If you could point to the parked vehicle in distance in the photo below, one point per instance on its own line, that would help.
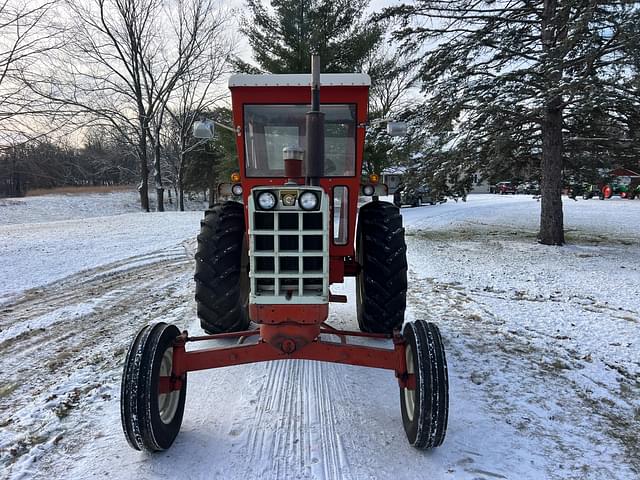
(591, 191)
(577, 189)
(505, 187)
(528, 188)
(630, 190)
(417, 196)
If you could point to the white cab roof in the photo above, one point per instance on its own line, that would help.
(299, 80)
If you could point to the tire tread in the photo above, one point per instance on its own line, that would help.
(218, 270)
(383, 261)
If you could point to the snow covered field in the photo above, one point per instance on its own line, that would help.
(543, 346)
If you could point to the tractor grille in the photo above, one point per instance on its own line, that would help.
(289, 253)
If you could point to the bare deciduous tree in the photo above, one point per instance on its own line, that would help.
(122, 61)
(195, 96)
(27, 33)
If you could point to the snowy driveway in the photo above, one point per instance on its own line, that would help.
(542, 344)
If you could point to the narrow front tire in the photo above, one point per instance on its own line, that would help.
(425, 409)
(150, 419)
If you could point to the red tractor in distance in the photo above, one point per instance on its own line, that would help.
(271, 259)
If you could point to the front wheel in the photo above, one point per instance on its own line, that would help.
(151, 419)
(425, 409)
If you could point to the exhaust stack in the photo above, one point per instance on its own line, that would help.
(315, 128)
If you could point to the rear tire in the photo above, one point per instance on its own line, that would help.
(381, 284)
(425, 410)
(222, 270)
(150, 420)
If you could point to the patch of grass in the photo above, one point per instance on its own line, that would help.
(79, 190)
(577, 237)
(504, 233)
(22, 336)
(64, 408)
(96, 359)
(557, 365)
(5, 422)
(25, 445)
(621, 426)
(57, 362)
(8, 388)
(473, 233)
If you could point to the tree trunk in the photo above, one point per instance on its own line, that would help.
(143, 188)
(553, 33)
(181, 180)
(160, 199)
(158, 172)
(551, 217)
(180, 192)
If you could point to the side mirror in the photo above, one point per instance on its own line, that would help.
(397, 129)
(203, 129)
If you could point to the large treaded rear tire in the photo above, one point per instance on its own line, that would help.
(222, 276)
(381, 284)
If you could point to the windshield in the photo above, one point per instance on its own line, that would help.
(270, 128)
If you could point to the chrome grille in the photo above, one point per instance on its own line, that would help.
(289, 253)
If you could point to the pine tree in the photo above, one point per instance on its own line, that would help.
(283, 41)
(503, 80)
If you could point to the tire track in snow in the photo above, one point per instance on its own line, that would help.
(496, 356)
(93, 281)
(69, 363)
(293, 432)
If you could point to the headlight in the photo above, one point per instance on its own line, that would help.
(368, 190)
(266, 200)
(308, 201)
(237, 189)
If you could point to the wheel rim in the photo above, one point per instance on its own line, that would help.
(168, 402)
(409, 395)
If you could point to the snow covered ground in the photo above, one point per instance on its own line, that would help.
(47, 238)
(543, 348)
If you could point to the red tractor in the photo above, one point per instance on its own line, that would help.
(271, 259)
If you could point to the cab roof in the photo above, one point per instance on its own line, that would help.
(300, 80)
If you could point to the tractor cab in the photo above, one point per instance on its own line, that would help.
(306, 217)
(269, 115)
